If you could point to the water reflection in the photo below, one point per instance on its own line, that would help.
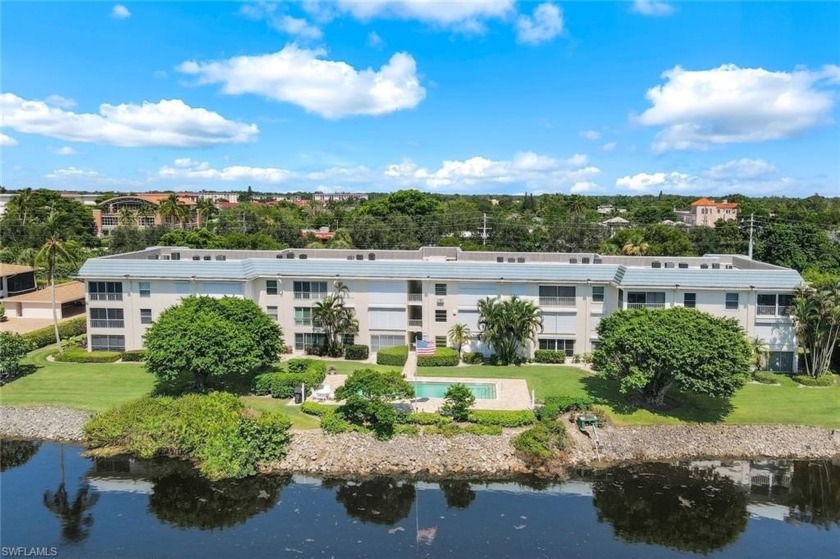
(378, 500)
(814, 494)
(690, 510)
(74, 515)
(458, 494)
(16, 453)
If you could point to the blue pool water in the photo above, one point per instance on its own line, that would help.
(481, 390)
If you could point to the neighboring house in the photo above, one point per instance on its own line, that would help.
(615, 224)
(608, 209)
(324, 197)
(398, 295)
(69, 300)
(320, 234)
(706, 213)
(143, 209)
(16, 279)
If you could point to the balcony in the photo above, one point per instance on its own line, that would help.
(105, 296)
(311, 295)
(772, 310)
(415, 322)
(105, 323)
(645, 305)
(415, 297)
(557, 301)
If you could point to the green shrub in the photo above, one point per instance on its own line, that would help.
(283, 385)
(333, 424)
(457, 402)
(81, 355)
(357, 352)
(549, 356)
(482, 429)
(516, 418)
(298, 365)
(555, 405)
(215, 430)
(452, 429)
(133, 356)
(310, 372)
(473, 357)
(426, 418)
(443, 357)
(380, 417)
(765, 377)
(395, 356)
(407, 430)
(45, 336)
(315, 408)
(542, 441)
(826, 379)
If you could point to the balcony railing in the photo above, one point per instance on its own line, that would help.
(772, 310)
(415, 297)
(106, 323)
(557, 301)
(415, 322)
(311, 295)
(106, 296)
(645, 305)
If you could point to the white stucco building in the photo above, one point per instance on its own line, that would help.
(398, 295)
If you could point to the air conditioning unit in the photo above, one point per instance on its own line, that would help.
(440, 301)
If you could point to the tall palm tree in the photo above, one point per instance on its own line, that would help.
(816, 319)
(459, 336)
(507, 325)
(759, 349)
(171, 210)
(577, 205)
(335, 320)
(74, 516)
(635, 246)
(53, 251)
(126, 217)
(205, 209)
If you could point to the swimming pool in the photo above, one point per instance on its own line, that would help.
(481, 390)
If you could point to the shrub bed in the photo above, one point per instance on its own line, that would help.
(357, 352)
(134, 356)
(826, 379)
(395, 356)
(516, 418)
(45, 336)
(81, 355)
(310, 372)
(549, 356)
(765, 377)
(542, 441)
(473, 357)
(443, 357)
(215, 430)
(452, 429)
(426, 418)
(333, 423)
(316, 408)
(555, 405)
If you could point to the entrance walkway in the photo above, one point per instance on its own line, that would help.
(410, 367)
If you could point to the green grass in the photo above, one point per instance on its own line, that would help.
(299, 419)
(753, 404)
(347, 367)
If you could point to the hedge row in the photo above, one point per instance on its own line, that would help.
(395, 356)
(826, 379)
(356, 352)
(555, 405)
(765, 377)
(81, 355)
(45, 336)
(133, 355)
(443, 357)
(549, 356)
(282, 384)
(451, 429)
(315, 408)
(516, 418)
(426, 418)
(473, 357)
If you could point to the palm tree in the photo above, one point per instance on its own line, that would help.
(816, 319)
(635, 246)
(52, 251)
(74, 516)
(576, 206)
(507, 325)
(171, 210)
(335, 319)
(205, 209)
(126, 217)
(760, 349)
(459, 336)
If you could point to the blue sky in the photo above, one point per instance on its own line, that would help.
(467, 97)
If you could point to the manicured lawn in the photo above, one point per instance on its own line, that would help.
(755, 403)
(267, 404)
(347, 367)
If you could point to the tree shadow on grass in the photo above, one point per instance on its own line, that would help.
(24, 370)
(684, 406)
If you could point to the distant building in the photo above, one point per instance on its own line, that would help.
(324, 197)
(320, 234)
(706, 213)
(141, 210)
(608, 209)
(16, 279)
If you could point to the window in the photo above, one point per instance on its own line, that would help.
(732, 301)
(378, 341)
(690, 300)
(440, 315)
(348, 339)
(643, 299)
(272, 313)
(555, 344)
(271, 287)
(106, 318)
(145, 289)
(440, 289)
(440, 341)
(182, 287)
(310, 289)
(557, 296)
(303, 317)
(107, 343)
(780, 361)
(785, 304)
(145, 316)
(105, 290)
(772, 304)
(597, 293)
(308, 339)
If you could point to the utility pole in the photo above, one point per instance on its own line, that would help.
(752, 222)
(484, 231)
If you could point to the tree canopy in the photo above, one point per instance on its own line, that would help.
(507, 324)
(655, 350)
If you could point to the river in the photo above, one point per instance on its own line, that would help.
(55, 502)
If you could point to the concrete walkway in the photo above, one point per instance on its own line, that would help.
(410, 368)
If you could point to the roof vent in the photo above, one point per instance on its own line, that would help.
(682, 265)
(500, 259)
(349, 257)
(572, 260)
(584, 260)
(197, 257)
(290, 255)
(303, 256)
(360, 257)
(597, 260)
(279, 256)
(207, 257)
(704, 266)
(669, 265)
(656, 264)
(521, 259)
(715, 266)
(371, 256)
(221, 257)
(511, 260)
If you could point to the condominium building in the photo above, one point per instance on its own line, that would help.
(706, 213)
(400, 295)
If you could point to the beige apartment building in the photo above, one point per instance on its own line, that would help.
(400, 295)
(706, 213)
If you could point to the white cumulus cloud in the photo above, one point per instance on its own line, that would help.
(582, 187)
(742, 169)
(167, 123)
(652, 8)
(729, 104)
(119, 11)
(330, 88)
(298, 27)
(7, 141)
(646, 182)
(545, 24)
(609, 146)
(590, 134)
(187, 169)
(65, 150)
(374, 40)
(72, 173)
(463, 16)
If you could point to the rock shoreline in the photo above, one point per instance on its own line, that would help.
(489, 457)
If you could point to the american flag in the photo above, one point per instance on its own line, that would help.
(425, 348)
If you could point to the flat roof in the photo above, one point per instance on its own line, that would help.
(64, 293)
(12, 269)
